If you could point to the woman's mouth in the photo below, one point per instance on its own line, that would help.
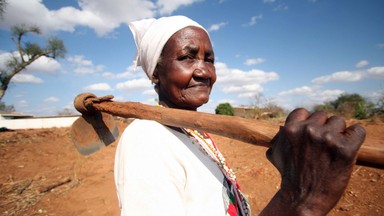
(201, 83)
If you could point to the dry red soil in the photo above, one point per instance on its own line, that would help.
(43, 174)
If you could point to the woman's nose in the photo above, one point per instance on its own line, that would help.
(201, 69)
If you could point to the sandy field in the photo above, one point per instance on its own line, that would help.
(42, 173)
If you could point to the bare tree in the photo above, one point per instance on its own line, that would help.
(3, 5)
(257, 104)
(66, 112)
(28, 52)
(6, 108)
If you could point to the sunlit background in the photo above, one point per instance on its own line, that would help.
(291, 53)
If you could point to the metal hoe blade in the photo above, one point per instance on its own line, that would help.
(92, 132)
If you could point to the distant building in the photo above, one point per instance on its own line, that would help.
(14, 115)
(26, 121)
(245, 112)
(256, 113)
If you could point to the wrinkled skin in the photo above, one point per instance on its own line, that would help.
(186, 73)
(315, 156)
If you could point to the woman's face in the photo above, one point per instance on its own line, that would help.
(185, 74)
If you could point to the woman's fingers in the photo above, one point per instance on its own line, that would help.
(297, 115)
(336, 124)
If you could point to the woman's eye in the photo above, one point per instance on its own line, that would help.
(186, 57)
(210, 60)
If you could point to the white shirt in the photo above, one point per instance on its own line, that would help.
(159, 171)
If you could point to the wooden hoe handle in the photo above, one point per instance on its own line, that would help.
(249, 131)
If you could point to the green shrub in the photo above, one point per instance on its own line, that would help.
(225, 109)
(349, 106)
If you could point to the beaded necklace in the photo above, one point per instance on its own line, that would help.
(209, 148)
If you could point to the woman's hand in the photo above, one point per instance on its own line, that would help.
(315, 156)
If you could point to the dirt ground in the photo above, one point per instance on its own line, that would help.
(43, 174)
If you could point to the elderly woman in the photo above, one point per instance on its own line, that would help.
(161, 170)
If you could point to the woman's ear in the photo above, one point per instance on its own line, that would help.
(155, 80)
(155, 77)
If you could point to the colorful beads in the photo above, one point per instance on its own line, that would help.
(209, 148)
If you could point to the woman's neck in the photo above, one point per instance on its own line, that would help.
(168, 104)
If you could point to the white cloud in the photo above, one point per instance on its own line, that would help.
(151, 101)
(4, 58)
(217, 26)
(376, 95)
(51, 99)
(150, 92)
(362, 63)
(226, 100)
(134, 85)
(79, 60)
(254, 20)
(304, 90)
(281, 7)
(243, 88)
(100, 15)
(235, 76)
(325, 95)
(306, 96)
(98, 87)
(254, 61)
(22, 103)
(313, 93)
(341, 76)
(376, 72)
(129, 73)
(84, 66)
(243, 83)
(44, 64)
(110, 75)
(269, 1)
(118, 98)
(351, 76)
(26, 78)
(89, 70)
(168, 6)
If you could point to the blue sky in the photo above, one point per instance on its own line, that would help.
(293, 53)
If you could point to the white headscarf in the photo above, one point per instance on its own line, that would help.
(152, 34)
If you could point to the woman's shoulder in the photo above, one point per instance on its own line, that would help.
(146, 125)
(146, 129)
(149, 135)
